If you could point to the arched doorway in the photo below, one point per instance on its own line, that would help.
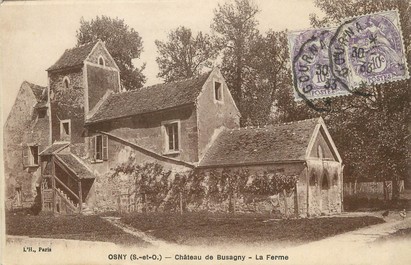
(325, 187)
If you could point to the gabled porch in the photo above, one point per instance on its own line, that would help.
(66, 182)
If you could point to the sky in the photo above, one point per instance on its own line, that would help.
(33, 35)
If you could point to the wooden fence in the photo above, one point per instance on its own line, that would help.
(370, 190)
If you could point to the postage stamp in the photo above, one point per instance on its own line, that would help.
(368, 49)
(361, 51)
(312, 76)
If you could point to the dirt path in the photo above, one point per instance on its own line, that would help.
(132, 231)
(359, 246)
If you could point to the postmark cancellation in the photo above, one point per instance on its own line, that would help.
(364, 50)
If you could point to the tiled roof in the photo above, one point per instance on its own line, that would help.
(149, 99)
(284, 142)
(53, 148)
(74, 165)
(73, 57)
(40, 92)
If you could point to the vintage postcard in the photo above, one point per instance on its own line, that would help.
(205, 132)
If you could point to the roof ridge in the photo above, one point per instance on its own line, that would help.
(85, 44)
(190, 78)
(30, 83)
(267, 126)
(74, 56)
(159, 84)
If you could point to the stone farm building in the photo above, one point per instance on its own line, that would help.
(62, 143)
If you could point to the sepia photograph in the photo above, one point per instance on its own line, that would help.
(205, 132)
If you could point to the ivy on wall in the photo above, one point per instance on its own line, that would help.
(159, 189)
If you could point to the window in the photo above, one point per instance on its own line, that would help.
(41, 112)
(34, 151)
(18, 196)
(98, 148)
(313, 179)
(218, 93)
(320, 153)
(335, 178)
(31, 155)
(172, 134)
(101, 61)
(66, 82)
(65, 129)
(324, 183)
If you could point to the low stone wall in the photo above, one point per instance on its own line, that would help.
(198, 192)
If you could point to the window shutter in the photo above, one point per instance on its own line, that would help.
(105, 147)
(26, 160)
(91, 148)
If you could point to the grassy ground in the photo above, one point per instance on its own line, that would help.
(90, 228)
(210, 229)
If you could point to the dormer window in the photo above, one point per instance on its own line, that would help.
(218, 91)
(101, 61)
(66, 82)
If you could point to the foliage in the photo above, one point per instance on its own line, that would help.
(269, 78)
(371, 132)
(255, 66)
(161, 189)
(184, 55)
(150, 180)
(235, 27)
(272, 184)
(123, 43)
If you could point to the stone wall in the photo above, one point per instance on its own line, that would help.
(114, 194)
(325, 187)
(326, 148)
(23, 127)
(118, 193)
(146, 131)
(212, 114)
(97, 51)
(275, 204)
(67, 103)
(99, 81)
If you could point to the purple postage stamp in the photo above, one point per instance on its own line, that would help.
(363, 50)
(312, 75)
(369, 49)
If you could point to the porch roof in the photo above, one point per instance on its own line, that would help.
(55, 147)
(75, 165)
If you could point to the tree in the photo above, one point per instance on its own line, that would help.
(123, 43)
(269, 93)
(184, 55)
(235, 25)
(371, 132)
